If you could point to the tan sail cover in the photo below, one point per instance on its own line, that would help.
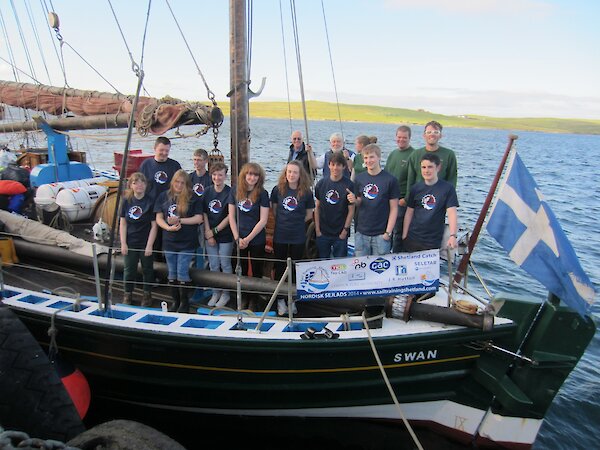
(153, 115)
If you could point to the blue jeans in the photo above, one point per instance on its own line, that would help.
(371, 245)
(219, 256)
(178, 264)
(328, 245)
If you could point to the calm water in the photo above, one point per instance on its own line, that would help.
(565, 167)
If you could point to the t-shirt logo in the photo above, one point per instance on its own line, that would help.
(332, 197)
(290, 203)
(161, 177)
(245, 205)
(135, 212)
(198, 189)
(215, 206)
(172, 210)
(371, 191)
(428, 201)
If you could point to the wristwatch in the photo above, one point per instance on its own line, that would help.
(388, 233)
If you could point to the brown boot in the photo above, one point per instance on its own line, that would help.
(128, 298)
(147, 299)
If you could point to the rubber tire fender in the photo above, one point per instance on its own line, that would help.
(32, 396)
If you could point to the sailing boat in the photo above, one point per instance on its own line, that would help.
(487, 378)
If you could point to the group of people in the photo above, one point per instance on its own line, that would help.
(401, 207)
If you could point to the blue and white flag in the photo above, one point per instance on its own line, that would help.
(523, 223)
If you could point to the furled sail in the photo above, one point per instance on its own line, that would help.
(95, 109)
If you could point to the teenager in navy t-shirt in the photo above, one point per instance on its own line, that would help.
(376, 198)
(219, 239)
(178, 213)
(137, 230)
(333, 213)
(248, 216)
(427, 205)
(293, 204)
(201, 181)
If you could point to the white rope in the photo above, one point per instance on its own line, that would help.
(389, 385)
(287, 83)
(337, 101)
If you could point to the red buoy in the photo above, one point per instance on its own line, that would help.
(75, 383)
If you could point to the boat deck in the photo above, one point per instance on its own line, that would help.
(215, 322)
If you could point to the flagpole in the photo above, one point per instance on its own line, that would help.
(462, 266)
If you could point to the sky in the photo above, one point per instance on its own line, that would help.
(504, 58)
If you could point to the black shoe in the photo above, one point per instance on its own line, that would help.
(175, 294)
(184, 294)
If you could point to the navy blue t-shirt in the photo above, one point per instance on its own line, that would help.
(215, 207)
(376, 192)
(328, 155)
(333, 204)
(139, 214)
(159, 175)
(290, 214)
(187, 236)
(430, 204)
(248, 215)
(200, 183)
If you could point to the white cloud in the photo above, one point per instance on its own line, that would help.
(509, 7)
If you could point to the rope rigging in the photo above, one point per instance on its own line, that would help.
(337, 101)
(287, 84)
(37, 39)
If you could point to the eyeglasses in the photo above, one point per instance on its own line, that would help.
(296, 139)
(434, 132)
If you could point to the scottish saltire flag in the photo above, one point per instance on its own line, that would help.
(523, 223)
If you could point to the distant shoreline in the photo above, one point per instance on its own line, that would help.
(317, 110)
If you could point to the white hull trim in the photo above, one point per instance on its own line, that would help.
(457, 419)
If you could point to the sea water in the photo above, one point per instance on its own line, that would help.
(566, 168)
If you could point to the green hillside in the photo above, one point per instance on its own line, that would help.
(380, 114)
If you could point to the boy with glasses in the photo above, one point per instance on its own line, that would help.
(448, 168)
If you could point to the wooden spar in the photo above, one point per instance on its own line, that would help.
(67, 92)
(240, 129)
(98, 110)
(462, 266)
(72, 123)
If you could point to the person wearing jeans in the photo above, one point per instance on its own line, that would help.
(333, 213)
(376, 198)
(219, 239)
(178, 214)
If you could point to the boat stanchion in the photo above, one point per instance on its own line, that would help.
(271, 301)
(290, 300)
(101, 303)
(240, 325)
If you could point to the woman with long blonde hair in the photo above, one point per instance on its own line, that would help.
(178, 213)
(293, 204)
(248, 216)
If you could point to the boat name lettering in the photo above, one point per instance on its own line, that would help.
(415, 356)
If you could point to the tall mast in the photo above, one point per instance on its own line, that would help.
(238, 48)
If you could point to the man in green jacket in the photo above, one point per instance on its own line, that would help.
(448, 170)
(397, 165)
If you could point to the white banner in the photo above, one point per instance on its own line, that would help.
(369, 276)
